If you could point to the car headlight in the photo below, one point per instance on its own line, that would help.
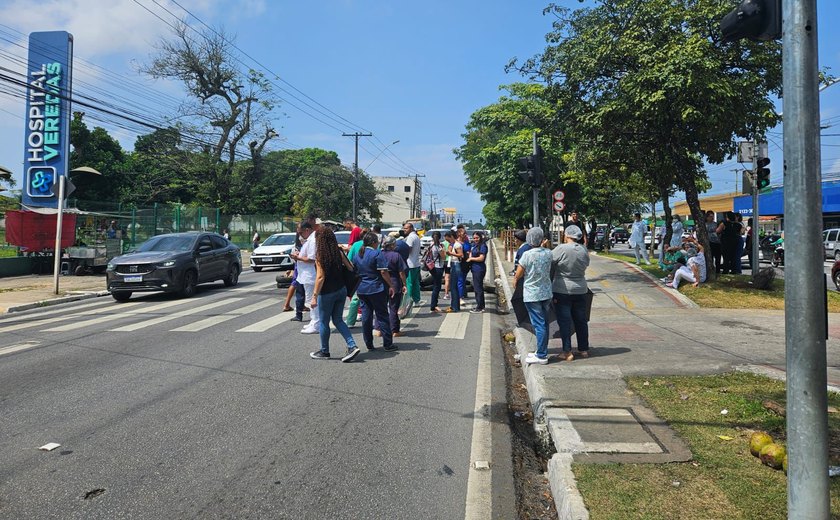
(111, 266)
(168, 263)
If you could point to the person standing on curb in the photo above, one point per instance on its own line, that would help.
(329, 294)
(535, 269)
(255, 240)
(637, 238)
(437, 253)
(574, 220)
(569, 287)
(373, 272)
(396, 270)
(478, 267)
(455, 252)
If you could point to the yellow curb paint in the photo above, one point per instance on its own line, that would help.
(627, 302)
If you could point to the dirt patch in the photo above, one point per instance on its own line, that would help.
(530, 461)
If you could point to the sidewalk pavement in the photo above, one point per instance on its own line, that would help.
(638, 327)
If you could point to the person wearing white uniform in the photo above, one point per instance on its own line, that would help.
(306, 272)
(694, 271)
(637, 238)
(676, 231)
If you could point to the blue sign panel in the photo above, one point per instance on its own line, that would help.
(47, 129)
(773, 202)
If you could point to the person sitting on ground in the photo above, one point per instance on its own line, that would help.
(694, 271)
(669, 260)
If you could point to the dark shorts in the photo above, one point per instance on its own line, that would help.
(446, 269)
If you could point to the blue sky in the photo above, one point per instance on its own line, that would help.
(407, 71)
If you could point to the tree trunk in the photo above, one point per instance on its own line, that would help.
(693, 200)
(666, 210)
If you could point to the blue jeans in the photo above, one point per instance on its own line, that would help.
(331, 307)
(454, 288)
(478, 272)
(376, 304)
(300, 300)
(437, 278)
(571, 308)
(538, 312)
(462, 279)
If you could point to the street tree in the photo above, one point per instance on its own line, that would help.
(98, 150)
(228, 108)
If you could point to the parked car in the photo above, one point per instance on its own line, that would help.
(175, 262)
(648, 237)
(426, 240)
(619, 234)
(831, 243)
(274, 252)
(835, 274)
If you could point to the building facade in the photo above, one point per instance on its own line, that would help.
(400, 199)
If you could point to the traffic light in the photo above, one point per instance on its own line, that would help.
(757, 20)
(762, 173)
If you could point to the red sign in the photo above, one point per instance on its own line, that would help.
(35, 232)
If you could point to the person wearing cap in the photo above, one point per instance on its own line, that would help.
(397, 270)
(534, 270)
(569, 291)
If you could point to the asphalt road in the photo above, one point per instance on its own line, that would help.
(231, 421)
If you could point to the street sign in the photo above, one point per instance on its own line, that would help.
(746, 151)
(559, 205)
(559, 195)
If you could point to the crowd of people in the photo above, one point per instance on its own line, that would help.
(381, 273)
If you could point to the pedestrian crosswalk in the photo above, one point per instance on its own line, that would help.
(254, 313)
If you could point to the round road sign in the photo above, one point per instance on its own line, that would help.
(559, 195)
(559, 205)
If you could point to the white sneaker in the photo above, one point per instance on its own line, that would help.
(532, 358)
(308, 330)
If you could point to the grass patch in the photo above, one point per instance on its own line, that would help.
(732, 291)
(724, 480)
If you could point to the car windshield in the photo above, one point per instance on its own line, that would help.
(279, 240)
(167, 243)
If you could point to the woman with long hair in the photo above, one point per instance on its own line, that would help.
(437, 254)
(374, 290)
(478, 267)
(329, 294)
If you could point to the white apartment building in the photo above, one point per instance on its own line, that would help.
(400, 199)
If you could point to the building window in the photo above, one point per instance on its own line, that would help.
(408, 189)
(390, 188)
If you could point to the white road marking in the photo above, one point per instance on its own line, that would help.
(479, 482)
(264, 325)
(65, 317)
(174, 316)
(19, 347)
(112, 317)
(257, 288)
(215, 320)
(27, 317)
(454, 326)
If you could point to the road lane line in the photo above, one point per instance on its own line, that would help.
(19, 347)
(264, 325)
(21, 317)
(257, 288)
(69, 316)
(479, 481)
(112, 317)
(174, 316)
(454, 326)
(215, 320)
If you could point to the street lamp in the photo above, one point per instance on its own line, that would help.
(62, 188)
(380, 153)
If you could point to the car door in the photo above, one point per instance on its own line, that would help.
(825, 243)
(205, 259)
(831, 242)
(222, 255)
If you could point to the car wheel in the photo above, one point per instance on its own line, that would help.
(233, 276)
(190, 280)
(837, 255)
(257, 269)
(836, 278)
(121, 296)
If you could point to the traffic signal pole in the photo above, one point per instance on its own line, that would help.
(536, 188)
(755, 234)
(807, 422)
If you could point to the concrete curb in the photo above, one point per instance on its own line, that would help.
(500, 278)
(56, 301)
(775, 373)
(567, 499)
(675, 294)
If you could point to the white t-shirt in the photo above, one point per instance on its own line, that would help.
(413, 242)
(700, 261)
(306, 270)
(456, 248)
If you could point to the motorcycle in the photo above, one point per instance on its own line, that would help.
(778, 256)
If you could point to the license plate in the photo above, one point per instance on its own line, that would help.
(133, 279)
(267, 260)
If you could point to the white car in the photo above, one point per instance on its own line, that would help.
(426, 239)
(274, 252)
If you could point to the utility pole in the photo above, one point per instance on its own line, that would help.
(755, 228)
(535, 189)
(805, 318)
(432, 209)
(356, 135)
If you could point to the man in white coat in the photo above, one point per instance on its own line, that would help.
(637, 239)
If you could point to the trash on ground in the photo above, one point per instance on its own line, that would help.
(725, 437)
(49, 447)
(724, 411)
